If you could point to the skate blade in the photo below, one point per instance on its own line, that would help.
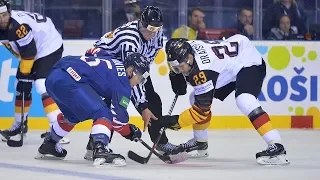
(198, 154)
(273, 161)
(5, 140)
(89, 155)
(40, 156)
(117, 162)
(178, 158)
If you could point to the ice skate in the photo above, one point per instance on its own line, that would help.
(275, 154)
(103, 156)
(168, 149)
(89, 154)
(196, 149)
(14, 130)
(62, 141)
(51, 150)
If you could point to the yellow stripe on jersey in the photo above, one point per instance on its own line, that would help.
(194, 115)
(26, 66)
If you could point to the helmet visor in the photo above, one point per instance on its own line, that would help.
(142, 78)
(177, 67)
(153, 28)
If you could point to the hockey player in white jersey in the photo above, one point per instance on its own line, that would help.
(143, 36)
(215, 69)
(33, 39)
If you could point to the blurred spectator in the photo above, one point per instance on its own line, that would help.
(130, 12)
(244, 25)
(195, 23)
(284, 7)
(284, 31)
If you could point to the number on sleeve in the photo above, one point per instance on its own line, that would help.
(199, 78)
(21, 32)
(91, 61)
(220, 55)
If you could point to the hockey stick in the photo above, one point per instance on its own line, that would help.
(167, 159)
(132, 155)
(13, 143)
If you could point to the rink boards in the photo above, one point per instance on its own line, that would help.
(290, 93)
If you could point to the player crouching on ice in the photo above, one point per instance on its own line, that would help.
(77, 85)
(215, 69)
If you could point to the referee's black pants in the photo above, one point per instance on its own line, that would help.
(155, 106)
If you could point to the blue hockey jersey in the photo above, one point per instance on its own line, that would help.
(106, 75)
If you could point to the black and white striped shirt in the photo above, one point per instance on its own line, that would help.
(127, 39)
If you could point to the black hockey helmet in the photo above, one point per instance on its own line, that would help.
(177, 50)
(5, 6)
(151, 18)
(140, 65)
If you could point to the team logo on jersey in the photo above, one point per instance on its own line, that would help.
(124, 102)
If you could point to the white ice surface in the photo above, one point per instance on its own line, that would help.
(232, 157)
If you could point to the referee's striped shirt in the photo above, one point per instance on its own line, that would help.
(127, 39)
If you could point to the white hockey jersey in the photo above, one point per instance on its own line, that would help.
(226, 58)
(31, 35)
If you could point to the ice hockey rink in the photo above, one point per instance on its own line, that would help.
(232, 157)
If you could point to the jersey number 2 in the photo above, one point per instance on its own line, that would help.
(220, 55)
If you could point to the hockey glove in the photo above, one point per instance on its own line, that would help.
(170, 122)
(178, 83)
(24, 81)
(134, 134)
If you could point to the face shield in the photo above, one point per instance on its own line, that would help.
(184, 67)
(141, 78)
(150, 31)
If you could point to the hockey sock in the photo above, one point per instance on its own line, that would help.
(50, 108)
(250, 106)
(18, 105)
(60, 128)
(264, 127)
(101, 131)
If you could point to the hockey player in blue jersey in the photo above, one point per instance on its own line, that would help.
(78, 84)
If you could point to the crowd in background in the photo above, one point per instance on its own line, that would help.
(281, 19)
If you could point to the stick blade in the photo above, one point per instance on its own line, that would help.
(135, 157)
(178, 158)
(12, 143)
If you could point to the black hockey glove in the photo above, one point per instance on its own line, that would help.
(135, 133)
(178, 83)
(170, 122)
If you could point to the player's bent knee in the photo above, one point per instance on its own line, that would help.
(40, 86)
(104, 113)
(247, 103)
